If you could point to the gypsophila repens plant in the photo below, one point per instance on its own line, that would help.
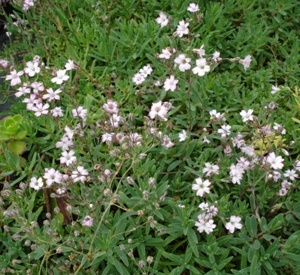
(146, 150)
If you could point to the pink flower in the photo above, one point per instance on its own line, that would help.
(14, 77)
(87, 221)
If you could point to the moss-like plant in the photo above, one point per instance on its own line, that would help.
(12, 134)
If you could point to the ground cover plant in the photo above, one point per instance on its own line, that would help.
(151, 138)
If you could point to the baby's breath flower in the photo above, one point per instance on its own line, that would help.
(182, 29)
(193, 8)
(233, 224)
(162, 20)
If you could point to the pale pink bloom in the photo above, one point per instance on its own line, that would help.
(37, 87)
(35, 183)
(291, 174)
(65, 143)
(247, 115)
(4, 63)
(52, 176)
(204, 225)
(201, 187)
(27, 4)
(200, 51)
(182, 136)
(138, 78)
(216, 56)
(224, 130)
(246, 61)
(52, 95)
(146, 70)
(210, 169)
(234, 223)
(274, 161)
(275, 89)
(40, 109)
(68, 157)
(236, 173)
(22, 91)
(193, 8)
(111, 107)
(107, 138)
(14, 77)
(31, 101)
(60, 77)
(57, 112)
(166, 53)
(158, 110)
(79, 174)
(162, 20)
(87, 221)
(32, 68)
(170, 84)
(166, 142)
(70, 65)
(282, 192)
(114, 120)
(183, 62)
(79, 112)
(135, 139)
(182, 29)
(201, 67)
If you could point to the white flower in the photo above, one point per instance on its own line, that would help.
(200, 51)
(80, 112)
(224, 131)
(183, 62)
(166, 53)
(37, 87)
(146, 70)
(40, 109)
(52, 95)
(68, 157)
(247, 115)
(166, 142)
(35, 183)
(114, 120)
(22, 91)
(233, 224)
(111, 107)
(107, 138)
(162, 20)
(210, 169)
(57, 112)
(51, 176)
(14, 77)
(216, 56)
(246, 62)
(158, 110)
(79, 174)
(138, 78)
(87, 221)
(182, 136)
(291, 174)
(65, 143)
(275, 162)
(204, 225)
(236, 173)
(32, 68)
(182, 29)
(201, 67)
(201, 187)
(60, 77)
(193, 7)
(170, 84)
(70, 65)
(275, 89)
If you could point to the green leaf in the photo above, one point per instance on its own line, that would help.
(17, 147)
(251, 225)
(193, 241)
